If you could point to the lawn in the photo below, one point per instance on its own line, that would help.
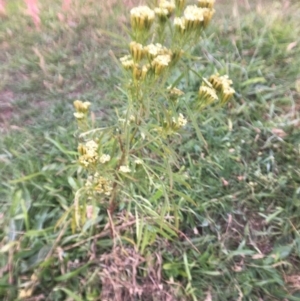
(237, 233)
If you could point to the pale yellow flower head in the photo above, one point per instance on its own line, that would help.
(206, 3)
(141, 18)
(131, 118)
(207, 95)
(104, 158)
(124, 169)
(88, 159)
(89, 155)
(216, 82)
(174, 93)
(227, 93)
(193, 17)
(168, 5)
(145, 70)
(91, 145)
(223, 85)
(81, 106)
(226, 81)
(162, 14)
(179, 24)
(79, 116)
(179, 122)
(220, 82)
(160, 63)
(207, 15)
(138, 161)
(127, 62)
(137, 51)
(154, 50)
(102, 185)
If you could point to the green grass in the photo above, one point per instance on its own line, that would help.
(238, 240)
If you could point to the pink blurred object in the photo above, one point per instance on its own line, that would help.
(33, 11)
(2, 7)
(66, 4)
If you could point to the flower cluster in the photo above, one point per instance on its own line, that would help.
(99, 184)
(157, 59)
(153, 59)
(104, 158)
(179, 122)
(208, 94)
(124, 169)
(194, 19)
(81, 108)
(141, 18)
(206, 3)
(172, 125)
(174, 93)
(164, 10)
(89, 153)
(216, 88)
(222, 84)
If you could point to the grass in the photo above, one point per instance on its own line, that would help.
(238, 240)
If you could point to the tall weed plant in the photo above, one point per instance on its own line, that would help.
(131, 171)
(133, 167)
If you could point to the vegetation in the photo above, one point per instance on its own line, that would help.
(231, 228)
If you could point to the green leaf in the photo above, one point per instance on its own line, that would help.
(72, 274)
(61, 147)
(26, 178)
(253, 81)
(69, 293)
